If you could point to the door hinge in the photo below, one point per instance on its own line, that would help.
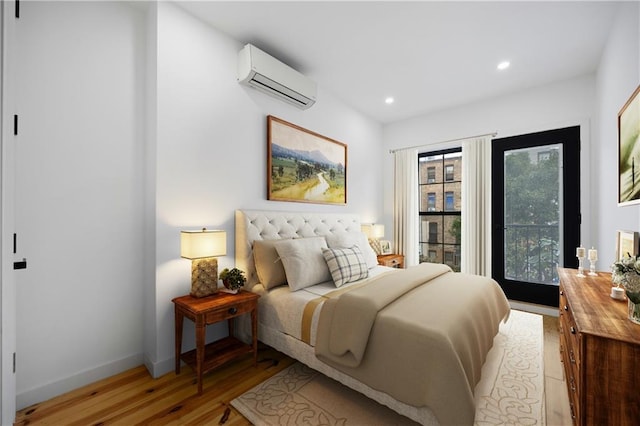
(15, 243)
(14, 362)
(15, 124)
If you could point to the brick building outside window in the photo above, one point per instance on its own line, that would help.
(440, 189)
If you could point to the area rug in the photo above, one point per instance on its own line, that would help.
(511, 390)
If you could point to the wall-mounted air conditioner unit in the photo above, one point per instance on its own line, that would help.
(267, 74)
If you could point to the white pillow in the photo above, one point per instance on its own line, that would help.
(303, 262)
(268, 264)
(350, 239)
(345, 264)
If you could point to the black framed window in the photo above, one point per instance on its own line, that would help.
(440, 188)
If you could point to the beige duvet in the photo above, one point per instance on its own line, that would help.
(421, 335)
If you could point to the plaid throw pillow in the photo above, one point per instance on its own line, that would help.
(345, 264)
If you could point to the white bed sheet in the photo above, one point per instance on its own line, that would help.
(281, 309)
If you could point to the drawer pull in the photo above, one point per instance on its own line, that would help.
(571, 357)
(573, 330)
(233, 310)
(561, 293)
(566, 308)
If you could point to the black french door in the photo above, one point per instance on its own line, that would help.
(535, 212)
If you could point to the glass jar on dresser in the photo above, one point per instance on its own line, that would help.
(600, 351)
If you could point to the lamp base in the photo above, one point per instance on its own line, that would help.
(204, 277)
(376, 246)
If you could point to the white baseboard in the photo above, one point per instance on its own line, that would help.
(533, 308)
(53, 389)
(157, 369)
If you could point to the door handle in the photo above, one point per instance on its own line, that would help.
(20, 265)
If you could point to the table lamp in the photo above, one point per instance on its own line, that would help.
(374, 231)
(202, 247)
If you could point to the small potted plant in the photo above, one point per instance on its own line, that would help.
(233, 279)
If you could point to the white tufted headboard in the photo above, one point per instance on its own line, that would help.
(254, 225)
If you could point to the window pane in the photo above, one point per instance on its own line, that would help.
(425, 197)
(456, 189)
(452, 256)
(532, 212)
(452, 226)
(440, 205)
(430, 169)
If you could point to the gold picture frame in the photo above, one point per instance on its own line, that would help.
(626, 244)
(629, 151)
(304, 166)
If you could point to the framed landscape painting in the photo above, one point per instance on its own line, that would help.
(629, 151)
(304, 166)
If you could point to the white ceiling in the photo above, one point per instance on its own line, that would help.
(427, 55)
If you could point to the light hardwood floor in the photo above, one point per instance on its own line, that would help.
(555, 387)
(133, 397)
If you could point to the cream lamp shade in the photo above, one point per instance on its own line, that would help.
(202, 247)
(203, 243)
(373, 230)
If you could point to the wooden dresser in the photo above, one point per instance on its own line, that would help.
(600, 351)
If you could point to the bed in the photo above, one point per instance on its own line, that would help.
(421, 334)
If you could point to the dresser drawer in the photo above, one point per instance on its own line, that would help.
(570, 354)
(570, 331)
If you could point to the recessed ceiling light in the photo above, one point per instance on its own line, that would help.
(503, 65)
(389, 100)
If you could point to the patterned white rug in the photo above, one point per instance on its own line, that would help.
(510, 392)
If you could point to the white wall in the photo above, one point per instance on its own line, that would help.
(563, 104)
(211, 155)
(617, 78)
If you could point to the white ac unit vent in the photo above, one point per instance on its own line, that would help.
(261, 71)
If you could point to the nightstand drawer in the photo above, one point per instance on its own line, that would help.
(391, 260)
(229, 311)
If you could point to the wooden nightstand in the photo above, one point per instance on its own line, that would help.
(392, 260)
(209, 310)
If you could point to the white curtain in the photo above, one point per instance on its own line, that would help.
(405, 210)
(476, 206)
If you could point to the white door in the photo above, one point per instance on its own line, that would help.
(78, 192)
(7, 190)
